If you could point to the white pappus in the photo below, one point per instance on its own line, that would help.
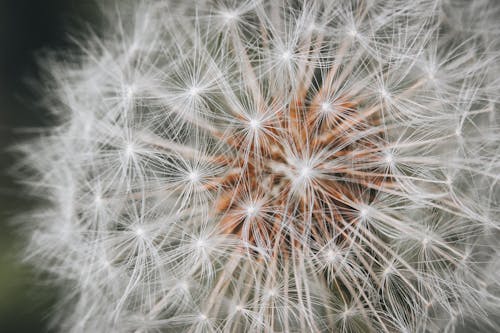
(273, 166)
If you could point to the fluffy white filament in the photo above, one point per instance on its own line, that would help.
(274, 166)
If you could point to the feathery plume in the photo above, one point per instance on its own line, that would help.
(274, 166)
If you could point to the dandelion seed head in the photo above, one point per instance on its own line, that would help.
(331, 255)
(347, 313)
(251, 210)
(425, 241)
(272, 292)
(388, 270)
(255, 124)
(200, 243)
(194, 176)
(140, 232)
(364, 212)
(326, 107)
(229, 15)
(130, 150)
(129, 92)
(286, 56)
(311, 166)
(194, 91)
(389, 158)
(305, 172)
(385, 94)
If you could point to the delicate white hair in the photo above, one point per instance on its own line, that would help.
(273, 166)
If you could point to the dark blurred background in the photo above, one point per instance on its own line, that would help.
(27, 27)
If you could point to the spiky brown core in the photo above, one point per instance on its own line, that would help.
(276, 201)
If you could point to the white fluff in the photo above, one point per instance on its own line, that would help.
(168, 210)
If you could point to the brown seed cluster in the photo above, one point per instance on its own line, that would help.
(302, 176)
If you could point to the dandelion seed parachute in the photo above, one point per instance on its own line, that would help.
(274, 166)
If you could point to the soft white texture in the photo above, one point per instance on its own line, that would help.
(147, 117)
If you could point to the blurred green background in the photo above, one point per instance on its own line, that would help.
(26, 28)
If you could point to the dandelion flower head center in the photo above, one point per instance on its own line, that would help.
(309, 170)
